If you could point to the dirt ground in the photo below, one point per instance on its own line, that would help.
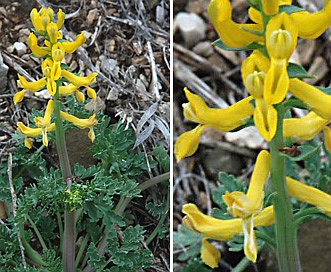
(215, 75)
(128, 44)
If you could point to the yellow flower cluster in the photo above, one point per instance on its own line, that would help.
(265, 75)
(53, 52)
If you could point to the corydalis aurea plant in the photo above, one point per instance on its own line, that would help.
(272, 36)
(59, 82)
(57, 79)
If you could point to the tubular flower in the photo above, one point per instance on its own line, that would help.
(43, 124)
(223, 119)
(327, 137)
(281, 40)
(310, 195)
(217, 229)
(53, 32)
(247, 206)
(305, 128)
(71, 47)
(81, 123)
(317, 100)
(79, 80)
(231, 33)
(268, 7)
(253, 71)
(60, 18)
(27, 86)
(311, 26)
(38, 51)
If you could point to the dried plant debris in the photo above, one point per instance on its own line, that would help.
(128, 44)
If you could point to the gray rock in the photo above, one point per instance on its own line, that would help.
(3, 75)
(20, 48)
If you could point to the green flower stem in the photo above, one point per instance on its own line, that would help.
(160, 223)
(40, 238)
(81, 249)
(121, 208)
(59, 222)
(69, 217)
(286, 231)
(31, 253)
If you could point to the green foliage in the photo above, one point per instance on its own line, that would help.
(297, 71)
(253, 46)
(96, 195)
(187, 242)
(196, 266)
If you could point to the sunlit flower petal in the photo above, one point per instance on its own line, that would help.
(71, 47)
(28, 143)
(316, 100)
(79, 80)
(18, 97)
(223, 230)
(210, 255)
(80, 96)
(91, 93)
(311, 26)
(305, 128)
(36, 21)
(265, 119)
(68, 89)
(52, 31)
(51, 87)
(60, 18)
(37, 50)
(31, 86)
(231, 33)
(250, 243)
(29, 132)
(188, 143)
(225, 119)
(310, 195)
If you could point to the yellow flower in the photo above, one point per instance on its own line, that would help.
(53, 32)
(210, 255)
(38, 51)
(223, 230)
(60, 18)
(305, 128)
(79, 80)
(310, 195)
(265, 119)
(327, 137)
(311, 26)
(71, 47)
(27, 86)
(247, 206)
(317, 101)
(281, 40)
(254, 70)
(43, 124)
(81, 123)
(231, 33)
(223, 119)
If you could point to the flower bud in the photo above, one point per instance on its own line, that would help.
(255, 84)
(52, 31)
(280, 44)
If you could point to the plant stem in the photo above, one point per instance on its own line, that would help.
(160, 223)
(82, 249)
(286, 231)
(120, 208)
(40, 238)
(69, 217)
